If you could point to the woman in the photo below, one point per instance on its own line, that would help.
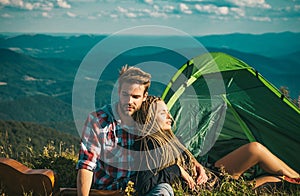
(162, 156)
(167, 159)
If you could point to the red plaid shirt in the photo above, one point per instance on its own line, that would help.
(105, 150)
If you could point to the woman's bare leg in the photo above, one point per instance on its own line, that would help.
(264, 179)
(248, 155)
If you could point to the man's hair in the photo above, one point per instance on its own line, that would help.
(134, 75)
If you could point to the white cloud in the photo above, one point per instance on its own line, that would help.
(14, 3)
(297, 7)
(156, 7)
(168, 8)
(251, 3)
(220, 11)
(158, 14)
(72, 15)
(261, 19)
(4, 2)
(29, 6)
(184, 8)
(18, 4)
(92, 17)
(206, 8)
(238, 11)
(6, 15)
(126, 12)
(46, 5)
(193, 1)
(114, 16)
(63, 4)
(122, 10)
(212, 9)
(155, 12)
(223, 10)
(46, 15)
(159, 11)
(149, 1)
(131, 15)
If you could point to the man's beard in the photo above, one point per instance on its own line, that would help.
(124, 110)
(127, 114)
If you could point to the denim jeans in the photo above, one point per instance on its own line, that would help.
(163, 189)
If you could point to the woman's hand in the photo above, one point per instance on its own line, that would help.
(190, 181)
(201, 175)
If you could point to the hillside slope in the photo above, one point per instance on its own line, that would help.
(41, 109)
(17, 137)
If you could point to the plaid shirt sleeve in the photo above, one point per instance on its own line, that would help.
(90, 147)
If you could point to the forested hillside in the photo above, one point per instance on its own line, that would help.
(19, 138)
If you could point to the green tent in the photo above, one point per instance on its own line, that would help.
(220, 103)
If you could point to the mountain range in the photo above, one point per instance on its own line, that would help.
(37, 71)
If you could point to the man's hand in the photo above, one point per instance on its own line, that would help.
(201, 175)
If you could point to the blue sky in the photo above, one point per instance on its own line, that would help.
(196, 17)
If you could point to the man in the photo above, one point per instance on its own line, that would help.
(107, 131)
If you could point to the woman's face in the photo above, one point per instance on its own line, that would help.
(164, 118)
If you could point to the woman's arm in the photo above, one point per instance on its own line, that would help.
(189, 179)
(199, 170)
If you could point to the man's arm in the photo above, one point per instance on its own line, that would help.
(84, 181)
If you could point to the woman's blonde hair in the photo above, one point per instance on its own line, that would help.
(167, 149)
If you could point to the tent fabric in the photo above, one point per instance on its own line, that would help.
(220, 103)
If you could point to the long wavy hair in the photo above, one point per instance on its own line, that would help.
(165, 149)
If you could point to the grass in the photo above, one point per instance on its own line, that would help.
(226, 185)
(63, 164)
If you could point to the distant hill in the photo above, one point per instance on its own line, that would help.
(21, 64)
(45, 110)
(72, 47)
(293, 57)
(22, 135)
(23, 75)
(268, 44)
(77, 46)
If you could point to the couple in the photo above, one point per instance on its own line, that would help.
(112, 128)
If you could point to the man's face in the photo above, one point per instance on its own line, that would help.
(131, 98)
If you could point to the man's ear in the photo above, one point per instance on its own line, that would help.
(145, 96)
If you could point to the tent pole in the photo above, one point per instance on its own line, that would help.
(240, 121)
